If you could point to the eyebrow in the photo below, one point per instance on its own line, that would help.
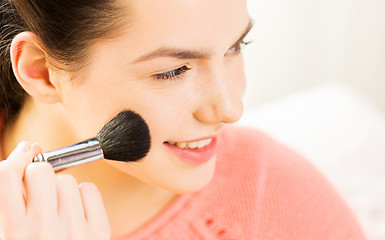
(187, 54)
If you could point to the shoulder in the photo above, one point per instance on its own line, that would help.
(257, 151)
(250, 159)
(293, 200)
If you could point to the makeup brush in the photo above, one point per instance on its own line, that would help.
(124, 138)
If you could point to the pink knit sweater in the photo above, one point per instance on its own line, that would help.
(261, 190)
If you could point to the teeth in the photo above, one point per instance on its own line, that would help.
(204, 143)
(181, 144)
(192, 145)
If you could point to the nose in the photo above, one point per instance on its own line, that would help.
(221, 97)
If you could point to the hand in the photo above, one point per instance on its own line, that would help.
(37, 204)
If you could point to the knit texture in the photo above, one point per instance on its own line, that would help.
(261, 190)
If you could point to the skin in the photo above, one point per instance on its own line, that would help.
(194, 105)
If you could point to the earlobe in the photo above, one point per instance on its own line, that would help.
(29, 63)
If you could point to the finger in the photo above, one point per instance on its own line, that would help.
(94, 210)
(40, 191)
(36, 149)
(12, 204)
(20, 157)
(70, 205)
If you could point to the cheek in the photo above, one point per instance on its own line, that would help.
(86, 111)
(89, 108)
(165, 113)
(238, 76)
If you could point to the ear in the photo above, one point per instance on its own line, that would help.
(29, 63)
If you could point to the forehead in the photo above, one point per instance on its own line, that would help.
(185, 22)
(155, 10)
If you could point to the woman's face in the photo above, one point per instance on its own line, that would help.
(178, 65)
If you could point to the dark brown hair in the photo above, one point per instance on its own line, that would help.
(67, 29)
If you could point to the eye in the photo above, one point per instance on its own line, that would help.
(235, 49)
(172, 75)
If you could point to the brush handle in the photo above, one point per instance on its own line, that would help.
(73, 155)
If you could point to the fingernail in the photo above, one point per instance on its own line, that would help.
(23, 147)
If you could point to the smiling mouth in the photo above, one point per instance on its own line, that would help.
(192, 145)
(194, 152)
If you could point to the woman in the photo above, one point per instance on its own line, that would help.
(69, 66)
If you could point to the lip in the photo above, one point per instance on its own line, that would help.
(196, 156)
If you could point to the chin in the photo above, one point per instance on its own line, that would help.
(193, 181)
(189, 187)
(184, 178)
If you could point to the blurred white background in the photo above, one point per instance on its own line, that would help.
(301, 43)
(316, 82)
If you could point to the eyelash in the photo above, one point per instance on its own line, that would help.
(176, 74)
(237, 48)
(172, 75)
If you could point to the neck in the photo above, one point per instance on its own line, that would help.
(129, 202)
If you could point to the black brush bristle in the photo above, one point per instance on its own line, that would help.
(125, 138)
